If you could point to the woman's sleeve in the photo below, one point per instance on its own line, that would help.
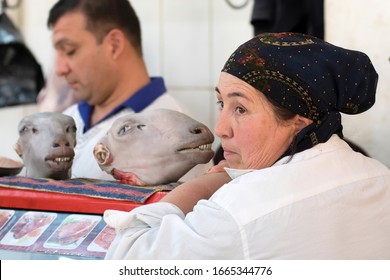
(161, 231)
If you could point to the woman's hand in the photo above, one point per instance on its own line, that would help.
(220, 167)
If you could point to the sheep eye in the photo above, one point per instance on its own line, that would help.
(34, 130)
(71, 129)
(141, 126)
(24, 129)
(124, 129)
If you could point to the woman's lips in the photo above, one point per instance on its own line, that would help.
(227, 153)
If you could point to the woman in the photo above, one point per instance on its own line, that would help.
(295, 189)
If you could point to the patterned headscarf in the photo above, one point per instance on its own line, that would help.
(309, 77)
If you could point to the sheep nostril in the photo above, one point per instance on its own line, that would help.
(61, 143)
(197, 130)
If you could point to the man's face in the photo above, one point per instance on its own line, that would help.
(80, 58)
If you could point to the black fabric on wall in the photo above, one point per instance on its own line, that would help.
(303, 16)
(21, 76)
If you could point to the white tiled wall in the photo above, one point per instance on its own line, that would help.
(187, 42)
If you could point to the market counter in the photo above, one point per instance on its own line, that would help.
(49, 218)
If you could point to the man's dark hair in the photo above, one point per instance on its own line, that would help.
(102, 16)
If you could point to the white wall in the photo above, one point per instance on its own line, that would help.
(365, 26)
(187, 42)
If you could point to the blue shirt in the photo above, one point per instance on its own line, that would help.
(137, 102)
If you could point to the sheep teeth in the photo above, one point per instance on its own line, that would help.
(205, 147)
(62, 159)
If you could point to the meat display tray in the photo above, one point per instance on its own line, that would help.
(50, 223)
(62, 234)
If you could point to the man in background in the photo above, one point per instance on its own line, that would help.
(99, 53)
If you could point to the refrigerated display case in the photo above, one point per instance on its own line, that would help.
(51, 219)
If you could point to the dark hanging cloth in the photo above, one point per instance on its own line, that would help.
(21, 76)
(302, 16)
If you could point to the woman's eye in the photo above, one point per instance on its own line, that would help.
(124, 129)
(141, 126)
(220, 104)
(240, 110)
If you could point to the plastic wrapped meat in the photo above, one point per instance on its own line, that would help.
(72, 230)
(30, 224)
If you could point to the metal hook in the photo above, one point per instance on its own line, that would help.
(4, 5)
(235, 6)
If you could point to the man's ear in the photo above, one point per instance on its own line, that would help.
(300, 123)
(116, 41)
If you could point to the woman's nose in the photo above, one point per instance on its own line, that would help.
(222, 127)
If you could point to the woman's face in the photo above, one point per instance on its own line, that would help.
(251, 135)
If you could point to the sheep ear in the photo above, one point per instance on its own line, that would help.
(18, 149)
